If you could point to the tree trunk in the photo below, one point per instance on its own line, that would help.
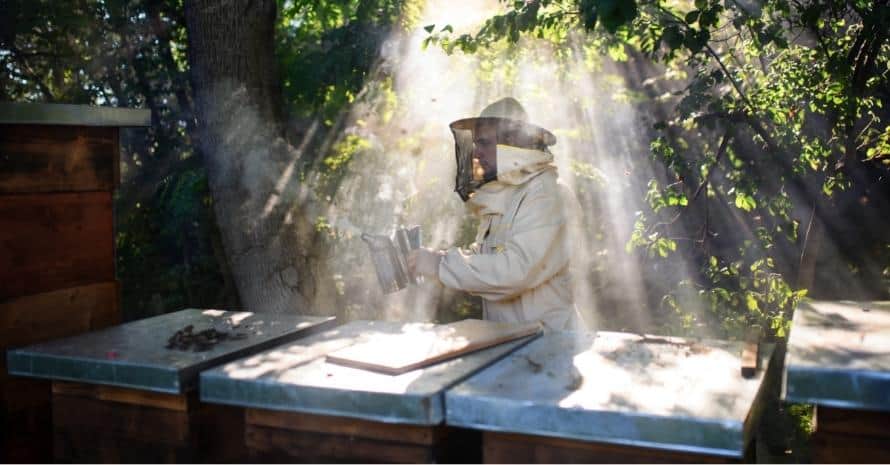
(238, 105)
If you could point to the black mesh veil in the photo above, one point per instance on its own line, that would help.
(464, 183)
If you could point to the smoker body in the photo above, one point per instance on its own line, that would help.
(390, 257)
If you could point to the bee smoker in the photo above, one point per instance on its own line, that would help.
(390, 257)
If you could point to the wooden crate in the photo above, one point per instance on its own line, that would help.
(290, 437)
(59, 166)
(104, 424)
(25, 404)
(850, 436)
(523, 448)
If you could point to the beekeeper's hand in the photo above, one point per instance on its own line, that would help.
(425, 262)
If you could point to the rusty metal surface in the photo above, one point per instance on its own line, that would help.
(839, 355)
(134, 355)
(296, 377)
(76, 115)
(617, 388)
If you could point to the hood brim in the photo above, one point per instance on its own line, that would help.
(469, 124)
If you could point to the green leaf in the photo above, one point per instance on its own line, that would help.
(745, 201)
(429, 28)
(751, 302)
(664, 246)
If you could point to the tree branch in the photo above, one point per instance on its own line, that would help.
(720, 150)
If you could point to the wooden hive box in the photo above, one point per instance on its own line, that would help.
(59, 167)
(124, 395)
(573, 397)
(301, 407)
(838, 358)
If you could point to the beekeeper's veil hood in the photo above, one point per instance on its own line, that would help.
(513, 129)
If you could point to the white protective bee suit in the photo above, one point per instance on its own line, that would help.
(519, 263)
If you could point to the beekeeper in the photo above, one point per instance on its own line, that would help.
(519, 263)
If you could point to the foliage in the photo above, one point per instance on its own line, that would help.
(168, 234)
(782, 111)
(778, 108)
(327, 49)
(130, 54)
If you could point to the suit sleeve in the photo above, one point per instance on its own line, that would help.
(533, 253)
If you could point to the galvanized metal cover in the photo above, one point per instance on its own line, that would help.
(134, 355)
(295, 377)
(839, 355)
(616, 388)
(72, 115)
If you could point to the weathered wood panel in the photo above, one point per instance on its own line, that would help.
(352, 427)
(855, 422)
(94, 423)
(520, 448)
(25, 419)
(26, 436)
(54, 241)
(42, 158)
(850, 436)
(176, 402)
(303, 447)
(277, 436)
(848, 448)
(72, 446)
(23, 393)
(54, 314)
(24, 402)
(153, 424)
(220, 433)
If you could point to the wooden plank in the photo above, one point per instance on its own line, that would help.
(144, 427)
(387, 353)
(25, 418)
(350, 427)
(54, 241)
(305, 447)
(220, 431)
(50, 315)
(116, 175)
(751, 353)
(520, 448)
(853, 422)
(73, 446)
(179, 403)
(26, 448)
(75, 413)
(176, 402)
(32, 414)
(24, 393)
(41, 158)
(26, 426)
(848, 448)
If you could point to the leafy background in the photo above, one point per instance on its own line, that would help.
(764, 125)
